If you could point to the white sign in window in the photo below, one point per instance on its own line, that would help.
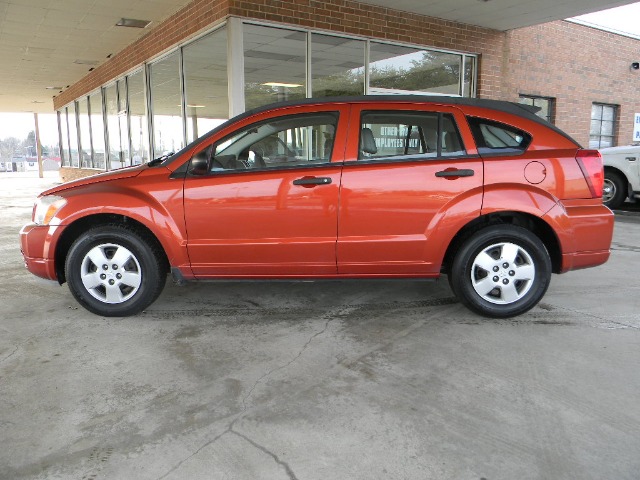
(636, 128)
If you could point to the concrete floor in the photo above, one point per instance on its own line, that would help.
(359, 380)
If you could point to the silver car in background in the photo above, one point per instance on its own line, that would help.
(621, 174)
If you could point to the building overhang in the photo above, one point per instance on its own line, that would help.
(48, 47)
(501, 14)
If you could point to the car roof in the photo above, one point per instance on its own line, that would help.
(525, 111)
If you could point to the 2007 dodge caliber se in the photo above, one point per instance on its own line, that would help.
(368, 187)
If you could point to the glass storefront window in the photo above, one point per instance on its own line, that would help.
(166, 105)
(97, 129)
(278, 63)
(397, 69)
(64, 132)
(112, 106)
(73, 134)
(274, 65)
(139, 133)
(337, 65)
(85, 132)
(205, 82)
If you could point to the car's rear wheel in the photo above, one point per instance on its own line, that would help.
(501, 271)
(614, 191)
(115, 271)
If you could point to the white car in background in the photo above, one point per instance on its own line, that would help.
(621, 174)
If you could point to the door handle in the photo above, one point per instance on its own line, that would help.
(454, 172)
(312, 181)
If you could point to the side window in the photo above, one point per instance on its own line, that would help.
(291, 141)
(386, 135)
(494, 137)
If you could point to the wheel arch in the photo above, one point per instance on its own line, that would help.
(81, 225)
(532, 223)
(618, 171)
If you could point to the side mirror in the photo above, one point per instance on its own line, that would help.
(198, 166)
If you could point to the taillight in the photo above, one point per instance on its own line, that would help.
(590, 162)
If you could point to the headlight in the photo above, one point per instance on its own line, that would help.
(46, 208)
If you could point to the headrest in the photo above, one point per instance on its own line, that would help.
(368, 143)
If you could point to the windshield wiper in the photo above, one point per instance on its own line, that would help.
(159, 160)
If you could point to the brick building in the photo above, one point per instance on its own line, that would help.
(216, 58)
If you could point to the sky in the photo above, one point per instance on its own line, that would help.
(20, 124)
(624, 19)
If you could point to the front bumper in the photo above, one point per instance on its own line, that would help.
(38, 249)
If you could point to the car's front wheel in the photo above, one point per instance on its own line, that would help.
(501, 271)
(115, 271)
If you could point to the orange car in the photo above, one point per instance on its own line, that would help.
(367, 187)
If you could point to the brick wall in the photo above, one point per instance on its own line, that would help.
(577, 65)
(334, 15)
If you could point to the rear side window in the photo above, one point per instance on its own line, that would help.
(495, 138)
(393, 134)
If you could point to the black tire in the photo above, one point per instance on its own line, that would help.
(127, 268)
(615, 189)
(507, 286)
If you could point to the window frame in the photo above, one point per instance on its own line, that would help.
(614, 127)
(551, 117)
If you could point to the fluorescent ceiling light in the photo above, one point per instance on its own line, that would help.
(86, 62)
(132, 22)
(278, 84)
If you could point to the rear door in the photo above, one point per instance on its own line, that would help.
(408, 169)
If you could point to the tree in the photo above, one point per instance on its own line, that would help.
(29, 144)
(431, 72)
(9, 147)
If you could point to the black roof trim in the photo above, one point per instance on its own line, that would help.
(512, 108)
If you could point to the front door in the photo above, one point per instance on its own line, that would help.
(265, 203)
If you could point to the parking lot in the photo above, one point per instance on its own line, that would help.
(319, 380)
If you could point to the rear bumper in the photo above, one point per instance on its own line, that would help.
(585, 233)
(36, 242)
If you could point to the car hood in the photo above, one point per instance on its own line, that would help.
(624, 149)
(101, 177)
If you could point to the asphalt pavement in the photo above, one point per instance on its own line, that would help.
(327, 380)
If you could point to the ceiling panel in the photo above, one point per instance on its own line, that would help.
(41, 39)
